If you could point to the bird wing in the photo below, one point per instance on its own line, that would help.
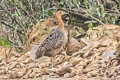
(53, 41)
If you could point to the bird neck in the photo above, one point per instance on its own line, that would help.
(61, 24)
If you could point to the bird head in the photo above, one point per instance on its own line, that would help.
(59, 13)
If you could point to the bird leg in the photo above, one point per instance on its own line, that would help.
(52, 58)
(52, 62)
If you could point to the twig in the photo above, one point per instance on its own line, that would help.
(89, 15)
(69, 11)
(93, 17)
(11, 16)
(20, 38)
(69, 35)
(68, 41)
(66, 10)
(12, 27)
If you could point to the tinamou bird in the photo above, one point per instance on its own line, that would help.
(54, 43)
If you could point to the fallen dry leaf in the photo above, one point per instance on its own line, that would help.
(108, 54)
(73, 46)
(85, 63)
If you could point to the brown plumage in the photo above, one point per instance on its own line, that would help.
(54, 43)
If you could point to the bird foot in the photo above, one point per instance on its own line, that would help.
(65, 53)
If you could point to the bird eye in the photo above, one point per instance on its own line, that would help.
(60, 12)
(55, 23)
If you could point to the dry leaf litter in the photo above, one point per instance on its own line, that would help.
(97, 59)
